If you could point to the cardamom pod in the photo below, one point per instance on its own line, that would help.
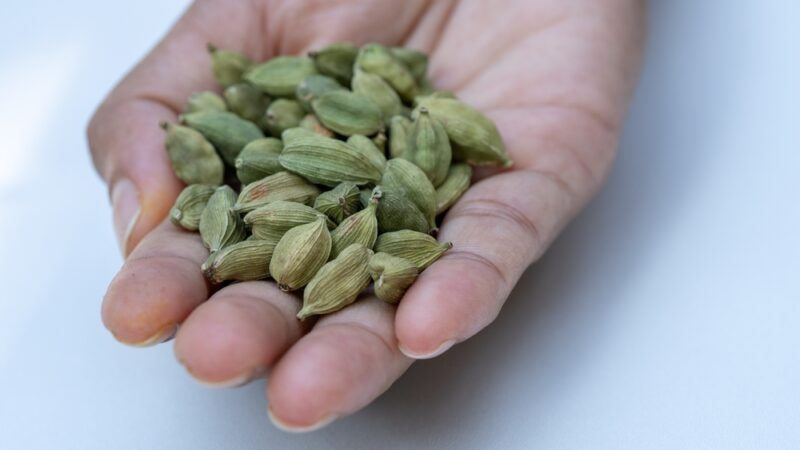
(189, 206)
(348, 113)
(392, 276)
(473, 137)
(193, 158)
(340, 202)
(219, 225)
(399, 132)
(280, 76)
(379, 91)
(419, 248)
(273, 220)
(336, 60)
(228, 66)
(258, 159)
(283, 114)
(414, 60)
(377, 59)
(404, 177)
(359, 228)
(324, 160)
(368, 147)
(380, 141)
(313, 86)
(454, 185)
(243, 261)
(338, 283)
(278, 186)
(247, 101)
(204, 101)
(397, 212)
(429, 147)
(299, 255)
(311, 123)
(228, 132)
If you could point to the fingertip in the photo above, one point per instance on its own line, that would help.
(149, 298)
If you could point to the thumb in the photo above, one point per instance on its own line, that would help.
(128, 149)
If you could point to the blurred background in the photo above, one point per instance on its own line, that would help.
(666, 316)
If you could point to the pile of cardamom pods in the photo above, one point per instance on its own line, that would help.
(326, 171)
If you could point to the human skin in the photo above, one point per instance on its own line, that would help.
(556, 77)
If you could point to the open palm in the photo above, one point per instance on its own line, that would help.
(555, 75)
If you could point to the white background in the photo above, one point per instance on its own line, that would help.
(666, 316)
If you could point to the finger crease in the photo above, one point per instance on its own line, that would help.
(498, 209)
(463, 254)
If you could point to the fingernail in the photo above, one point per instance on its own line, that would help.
(280, 424)
(428, 355)
(236, 381)
(125, 202)
(163, 335)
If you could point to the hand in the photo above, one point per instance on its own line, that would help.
(554, 75)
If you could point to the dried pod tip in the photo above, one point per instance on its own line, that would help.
(423, 110)
(211, 48)
(164, 125)
(176, 214)
(313, 54)
(284, 287)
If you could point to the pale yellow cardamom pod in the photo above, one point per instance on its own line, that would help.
(392, 276)
(419, 248)
(274, 219)
(219, 225)
(279, 186)
(189, 206)
(453, 187)
(244, 261)
(338, 283)
(299, 255)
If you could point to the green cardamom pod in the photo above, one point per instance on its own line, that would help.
(454, 185)
(359, 228)
(392, 276)
(189, 206)
(397, 212)
(336, 60)
(399, 132)
(340, 202)
(299, 255)
(273, 220)
(403, 176)
(247, 101)
(473, 137)
(193, 158)
(278, 186)
(311, 123)
(414, 60)
(219, 225)
(348, 113)
(228, 66)
(280, 76)
(324, 160)
(368, 147)
(377, 59)
(228, 132)
(429, 147)
(313, 86)
(204, 101)
(338, 283)
(258, 159)
(435, 94)
(283, 114)
(243, 261)
(419, 248)
(379, 91)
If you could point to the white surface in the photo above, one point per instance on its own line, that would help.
(665, 317)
